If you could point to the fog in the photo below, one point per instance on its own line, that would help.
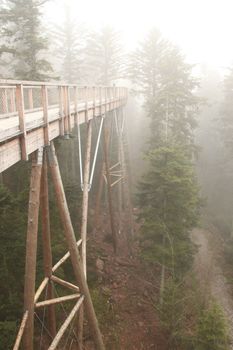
(128, 105)
(202, 29)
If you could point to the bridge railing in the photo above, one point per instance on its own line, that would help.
(34, 113)
(32, 95)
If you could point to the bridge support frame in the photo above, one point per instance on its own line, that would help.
(31, 247)
(73, 249)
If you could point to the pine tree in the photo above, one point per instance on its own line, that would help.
(212, 331)
(158, 72)
(168, 194)
(169, 203)
(227, 110)
(69, 44)
(104, 59)
(22, 42)
(12, 249)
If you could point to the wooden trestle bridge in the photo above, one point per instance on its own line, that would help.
(32, 115)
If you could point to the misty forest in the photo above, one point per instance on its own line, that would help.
(116, 175)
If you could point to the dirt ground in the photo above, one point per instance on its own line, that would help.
(210, 274)
(132, 287)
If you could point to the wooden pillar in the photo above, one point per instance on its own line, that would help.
(73, 249)
(46, 244)
(126, 191)
(120, 185)
(85, 193)
(98, 199)
(84, 224)
(31, 248)
(110, 203)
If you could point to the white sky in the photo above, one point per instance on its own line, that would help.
(203, 29)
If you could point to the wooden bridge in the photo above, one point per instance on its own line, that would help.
(32, 115)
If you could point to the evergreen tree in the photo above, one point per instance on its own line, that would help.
(22, 40)
(104, 59)
(227, 110)
(212, 332)
(169, 201)
(168, 194)
(158, 71)
(69, 48)
(12, 250)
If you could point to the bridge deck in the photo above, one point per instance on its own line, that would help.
(32, 114)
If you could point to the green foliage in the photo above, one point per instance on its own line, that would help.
(12, 250)
(8, 334)
(169, 204)
(212, 332)
(158, 71)
(22, 39)
(171, 313)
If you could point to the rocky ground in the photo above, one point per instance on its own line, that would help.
(130, 287)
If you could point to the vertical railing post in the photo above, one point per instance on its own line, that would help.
(75, 105)
(94, 101)
(61, 111)
(44, 95)
(86, 103)
(31, 248)
(68, 109)
(4, 100)
(65, 111)
(22, 125)
(12, 100)
(30, 98)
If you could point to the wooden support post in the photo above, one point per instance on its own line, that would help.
(84, 222)
(98, 198)
(46, 244)
(110, 203)
(22, 126)
(119, 186)
(21, 330)
(65, 325)
(31, 248)
(126, 191)
(72, 245)
(85, 194)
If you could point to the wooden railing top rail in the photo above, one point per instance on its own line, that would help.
(51, 83)
(34, 113)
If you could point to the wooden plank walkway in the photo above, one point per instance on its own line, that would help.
(34, 113)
